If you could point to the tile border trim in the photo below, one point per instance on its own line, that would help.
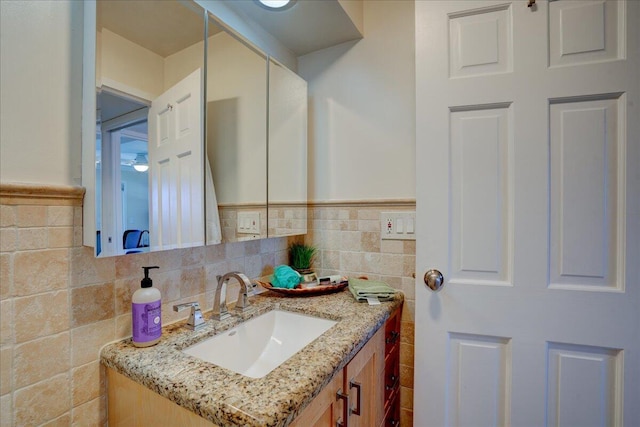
(41, 194)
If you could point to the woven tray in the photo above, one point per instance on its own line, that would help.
(306, 292)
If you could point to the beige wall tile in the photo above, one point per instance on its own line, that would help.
(77, 236)
(409, 311)
(409, 265)
(6, 276)
(60, 215)
(409, 247)
(392, 246)
(63, 420)
(7, 216)
(8, 239)
(406, 398)
(124, 289)
(131, 266)
(90, 414)
(406, 376)
(40, 271)
(351, 241)
(40, 359)
(86, 341)
(369, 225)
(166, 260)
(406, 354)
(87, 382)
(252, 247)
(370, 241)
(369, 214)
(6, 369)
(191, 282)
(61, 237)
(32, 238)
(41, 315)
(77, 216)
(351, 261)
(167, 282)
(6, 409)
(43, 401)
(192, 256)
(407, 332)
(406, 417)
(123, 326)
(234, 250)
(31, 216)
(216, 253)
(330, 260)
(92, 304)
(253, 266)
(6, 322)
(387, 264)
(87, 269)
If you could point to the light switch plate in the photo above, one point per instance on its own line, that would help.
(398, 225)
(248, 222)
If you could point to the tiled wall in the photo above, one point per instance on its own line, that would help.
(59, 305)
(348, 239)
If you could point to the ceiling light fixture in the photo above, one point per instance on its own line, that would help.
(276, 4)
(141, 164)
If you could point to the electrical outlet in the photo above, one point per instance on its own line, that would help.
(398, 225)
(248, 222)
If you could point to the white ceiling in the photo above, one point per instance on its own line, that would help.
(164, 27)
(307, 26)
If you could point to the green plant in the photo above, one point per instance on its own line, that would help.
(301, 256)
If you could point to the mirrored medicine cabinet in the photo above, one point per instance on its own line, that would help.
(191, 135)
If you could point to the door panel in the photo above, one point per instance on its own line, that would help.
(528, 188)
(584, 386)
(586, 31)
(176, 154)
(480, 372)
(480, 144)
(586, 170)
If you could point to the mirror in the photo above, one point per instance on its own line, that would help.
(149, 151)
(287, 152)
(236, 138)
(154, 90)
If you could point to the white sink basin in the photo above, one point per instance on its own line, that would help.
(259, 345)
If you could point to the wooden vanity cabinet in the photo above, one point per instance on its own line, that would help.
(370, 379)
(370, 382)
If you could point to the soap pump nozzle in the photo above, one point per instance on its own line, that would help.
(147, 282)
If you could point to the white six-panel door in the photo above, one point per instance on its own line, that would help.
(177, 166)
(528, 202)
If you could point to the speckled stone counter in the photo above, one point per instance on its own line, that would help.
(230, 399)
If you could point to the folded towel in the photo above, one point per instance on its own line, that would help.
(285, 277)
(361, 289)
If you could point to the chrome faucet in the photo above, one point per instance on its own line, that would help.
(220, 311)
(196, 321)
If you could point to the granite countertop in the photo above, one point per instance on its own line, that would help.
(230, 399)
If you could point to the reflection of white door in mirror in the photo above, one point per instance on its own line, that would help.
(175, 157)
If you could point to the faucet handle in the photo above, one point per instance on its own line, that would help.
(196, 321)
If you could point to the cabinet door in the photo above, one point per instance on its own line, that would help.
(325, 410)
(363, 382)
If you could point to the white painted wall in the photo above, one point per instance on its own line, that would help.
(237, 121)
(362, 110)
(361, 123)
(129, 67)
(41, 91)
